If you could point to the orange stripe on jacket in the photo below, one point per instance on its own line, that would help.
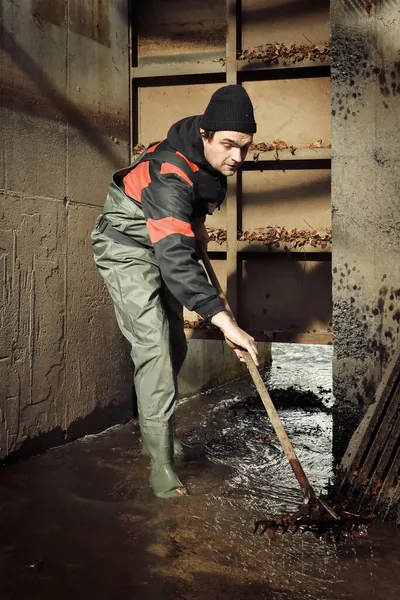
(137, 180)
(161, 228)
(167, 168)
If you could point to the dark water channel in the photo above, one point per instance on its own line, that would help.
(79, 522)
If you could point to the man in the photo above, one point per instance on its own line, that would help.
(145, 248)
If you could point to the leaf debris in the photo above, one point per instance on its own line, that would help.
(278, 145)
(288, 239)
(289, 54)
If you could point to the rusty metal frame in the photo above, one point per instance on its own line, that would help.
(231, 71)
(232, 19)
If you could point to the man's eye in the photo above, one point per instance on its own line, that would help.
(227, 146)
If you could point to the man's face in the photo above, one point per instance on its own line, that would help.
(227, 150)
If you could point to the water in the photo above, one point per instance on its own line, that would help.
(80, 522)
(260, 472)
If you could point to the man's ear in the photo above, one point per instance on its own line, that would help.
(202, 135)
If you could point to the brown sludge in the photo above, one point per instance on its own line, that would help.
(311, 517)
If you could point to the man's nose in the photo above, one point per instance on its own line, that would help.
(236, 155)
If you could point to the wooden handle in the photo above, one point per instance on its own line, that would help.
(263, 392)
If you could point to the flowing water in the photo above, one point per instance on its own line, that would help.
(261, 474)
(79, 522)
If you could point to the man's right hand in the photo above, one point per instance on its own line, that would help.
(235, 337)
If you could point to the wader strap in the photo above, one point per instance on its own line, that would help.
(104, 226)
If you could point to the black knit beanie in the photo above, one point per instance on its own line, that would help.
(230, 109)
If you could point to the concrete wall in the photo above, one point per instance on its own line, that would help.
(64, 370)
(212, 362)
(366, 205)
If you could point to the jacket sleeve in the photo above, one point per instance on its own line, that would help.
(167, 204)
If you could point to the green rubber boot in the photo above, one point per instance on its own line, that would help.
(176, 445)
(163, 479)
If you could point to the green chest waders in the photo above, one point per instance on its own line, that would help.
(151, 319)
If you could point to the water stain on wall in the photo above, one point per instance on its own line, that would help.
(88, 18)
(356, 64)
(368, 332)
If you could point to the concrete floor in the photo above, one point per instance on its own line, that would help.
(79, 522)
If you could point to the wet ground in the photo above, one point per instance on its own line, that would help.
(79, 522)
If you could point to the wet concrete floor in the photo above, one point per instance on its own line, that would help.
(79, 522)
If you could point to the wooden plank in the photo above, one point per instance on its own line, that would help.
(391, 441)
(257, 65)
(380, 438)
(256, 247)
(178, 69)
(389, 492)
(300, 154)
(354, 456)
(393, 504)
(260, 247)
(285, 164)
(202, 333)
(298, 337)
(231, 41)
(232, 245)
(183, 69)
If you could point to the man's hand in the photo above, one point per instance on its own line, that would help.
(201, 234)
(235, 337)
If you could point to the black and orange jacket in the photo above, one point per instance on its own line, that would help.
(171, 203)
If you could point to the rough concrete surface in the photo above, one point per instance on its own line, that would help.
(65, 89)
(212, 362)
(365, 204)
(266, 21)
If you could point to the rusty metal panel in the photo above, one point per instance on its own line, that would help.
(161, 106)
(296, 111)
(286, 295)
(178, 31)
(291, 199)
(270, 21)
